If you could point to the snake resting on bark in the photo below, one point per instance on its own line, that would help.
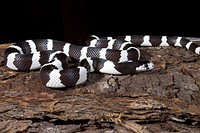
(112, 55)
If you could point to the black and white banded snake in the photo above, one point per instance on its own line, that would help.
(112, 55)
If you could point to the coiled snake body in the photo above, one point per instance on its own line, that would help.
(112, 55)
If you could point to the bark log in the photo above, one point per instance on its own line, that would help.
(166, 99)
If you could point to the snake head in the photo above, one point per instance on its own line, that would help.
(145, 67)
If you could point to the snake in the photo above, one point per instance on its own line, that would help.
(111, 55)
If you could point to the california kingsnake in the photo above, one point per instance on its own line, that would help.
(113, 55)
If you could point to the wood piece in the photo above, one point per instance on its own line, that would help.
(166, 99)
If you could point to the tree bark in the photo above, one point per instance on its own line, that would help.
(166, 99)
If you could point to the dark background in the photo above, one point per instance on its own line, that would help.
(75, 20)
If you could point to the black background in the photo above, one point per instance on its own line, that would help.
(75, 20)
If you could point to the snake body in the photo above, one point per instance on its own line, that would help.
(112, 55)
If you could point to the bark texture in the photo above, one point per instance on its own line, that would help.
(166, 99)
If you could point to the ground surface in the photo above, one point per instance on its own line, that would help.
(166, 99)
